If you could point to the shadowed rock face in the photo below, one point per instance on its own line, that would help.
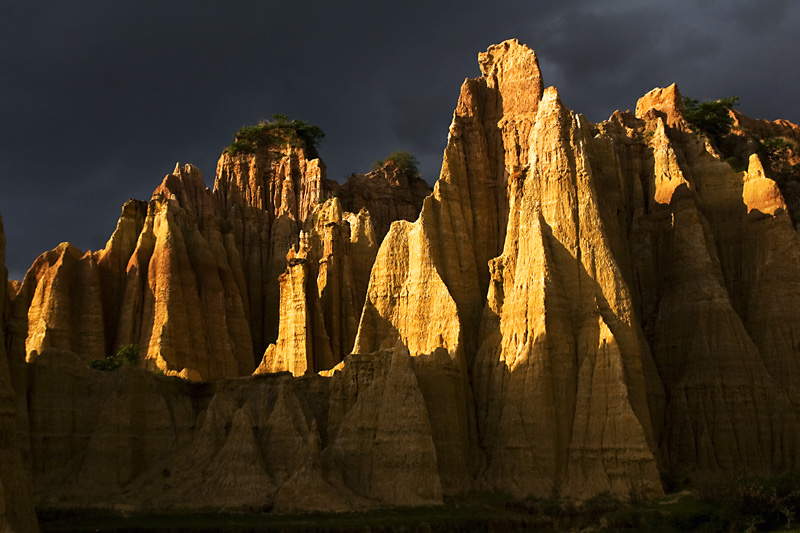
(389, 193)
(577, 308)
(16, 500)
(266, 442)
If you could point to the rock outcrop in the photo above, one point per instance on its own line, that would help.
(389, 193)
(701, 316)
(61, 293)
(181, 300)
(132, 438)
(381, 435)
(264, 197)
(322, 292)
(590, 363)
(16, 499)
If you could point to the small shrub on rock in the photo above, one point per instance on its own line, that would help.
(405, 161)
(127, 354)
(711, 118)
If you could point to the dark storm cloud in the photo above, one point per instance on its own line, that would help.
(99, 99)
(603, 59)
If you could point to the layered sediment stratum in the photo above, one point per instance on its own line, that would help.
(574, 308)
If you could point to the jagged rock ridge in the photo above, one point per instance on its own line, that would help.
(578, 308)
(194, 277)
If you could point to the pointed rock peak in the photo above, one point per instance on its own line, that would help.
(512, 69)
(761, 193)
(510, 60)
(187, 174)
(330, 211)
(286, 409)
(401, 357)
(551, 97)
(64, 249)
(625, 119)
(664, 100)
(187, 187)
(298, 252)
(661, 128)
(551, 107)
(133, 208)
(755, 169)
(242, 423)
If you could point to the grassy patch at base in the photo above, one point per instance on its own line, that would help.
(755, 504)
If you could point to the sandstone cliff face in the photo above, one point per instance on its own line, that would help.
(559, 315)
(578, 308)
(136, 439)
(112, 264)
(717, 380)
(179, 277)
(430, 276)
(16, 501)
(511, 160)
(382, 440)
(61, 293)
(196, 273)
(192, 277)
(321, 291)
(605, 354)
(264, 198)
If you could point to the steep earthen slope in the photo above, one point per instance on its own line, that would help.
(264, 197)
(140, 440)
(511, 178)
(727, 409)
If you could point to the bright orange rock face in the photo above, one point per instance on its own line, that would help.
(575, 306)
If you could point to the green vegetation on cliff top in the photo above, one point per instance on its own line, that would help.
(405, 161)
(276, 132)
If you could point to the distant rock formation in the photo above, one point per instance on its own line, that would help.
(388, 193)
(574, 309)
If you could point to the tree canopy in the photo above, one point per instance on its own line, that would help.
(711, 118)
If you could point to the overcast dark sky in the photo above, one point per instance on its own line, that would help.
(100, 99)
